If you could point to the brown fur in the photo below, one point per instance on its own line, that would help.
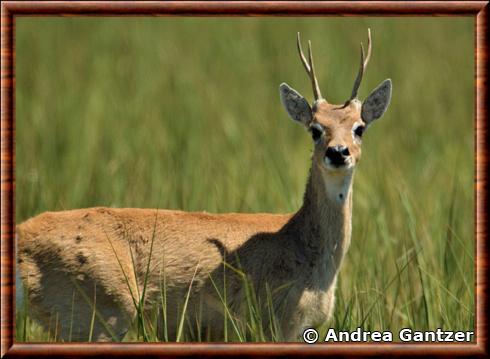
(302, 252)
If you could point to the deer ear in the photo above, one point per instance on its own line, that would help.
(377, 102)
(295, 104)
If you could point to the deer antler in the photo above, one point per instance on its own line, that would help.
(310, 69)
(362, 68)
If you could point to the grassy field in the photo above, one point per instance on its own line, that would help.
(184, 113)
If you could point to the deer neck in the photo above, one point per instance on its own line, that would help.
(326, 216)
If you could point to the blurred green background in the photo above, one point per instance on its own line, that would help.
(184, 113)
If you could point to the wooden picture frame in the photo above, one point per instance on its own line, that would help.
(13, 9)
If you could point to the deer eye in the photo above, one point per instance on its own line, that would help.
(359, 130)
(316, 132)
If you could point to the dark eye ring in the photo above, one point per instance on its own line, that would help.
(316, 133)
(359, 131)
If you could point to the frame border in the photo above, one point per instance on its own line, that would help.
(11, 9)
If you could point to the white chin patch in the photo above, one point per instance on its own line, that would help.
(331, 167)
(337, 180)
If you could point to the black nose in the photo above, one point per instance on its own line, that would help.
(337, 154)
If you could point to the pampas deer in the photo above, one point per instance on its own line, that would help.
(92, 269)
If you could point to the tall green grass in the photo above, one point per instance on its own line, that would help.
(184, 113)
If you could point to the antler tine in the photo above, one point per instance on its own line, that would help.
(314, 81)
(358, 80)
(366, 61)
(302, 56)
(309, 67)
(362, 67)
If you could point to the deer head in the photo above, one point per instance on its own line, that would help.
(337, 130)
